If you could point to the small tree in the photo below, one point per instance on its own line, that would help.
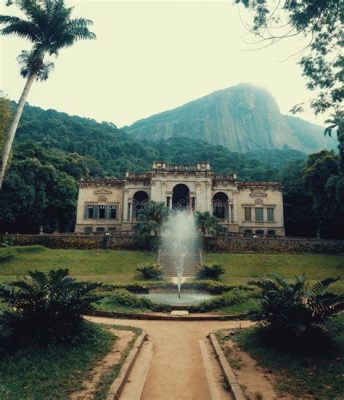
(292, 307)
(207, 223)
(151, 217)
(45, 307)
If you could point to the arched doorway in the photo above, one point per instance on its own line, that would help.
(220, 205)
(180, 197)
(140, 198)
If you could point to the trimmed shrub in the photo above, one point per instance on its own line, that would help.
(149, 271)
(30, 249)
(6, 255)
(234, 297)
(6, 242)
(124, 298)
(213, 271)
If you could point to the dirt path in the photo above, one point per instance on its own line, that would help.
(251, 377)
(90, 385)
(177, 368)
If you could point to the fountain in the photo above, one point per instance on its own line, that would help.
(180, 258)
(180, 247)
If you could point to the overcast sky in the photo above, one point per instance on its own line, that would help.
(153, 56)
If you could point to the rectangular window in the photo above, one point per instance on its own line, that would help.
(112, 214)
(101, 212)
(259, 214)
(271, 216)
(248, 216)
(90, 212)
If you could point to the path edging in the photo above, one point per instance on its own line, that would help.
(159, 317)
(118, 384)
(227, 369)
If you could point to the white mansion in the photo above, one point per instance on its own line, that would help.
(241, 207)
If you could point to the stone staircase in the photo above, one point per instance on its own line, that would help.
(192, 263)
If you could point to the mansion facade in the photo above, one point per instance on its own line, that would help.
(110, 205)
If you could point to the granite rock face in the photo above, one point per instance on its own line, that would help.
(242, 118)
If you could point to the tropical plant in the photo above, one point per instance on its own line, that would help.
(213, 271)
(49, 27)
(149, 271)
(207, 223)
(293, 307)
(151, 217)
(45, 306)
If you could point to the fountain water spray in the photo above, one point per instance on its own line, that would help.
(179, 237)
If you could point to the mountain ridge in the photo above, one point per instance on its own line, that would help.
(241, 118)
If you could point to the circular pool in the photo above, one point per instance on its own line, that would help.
(170, 297)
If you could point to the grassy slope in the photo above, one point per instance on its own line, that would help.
(317, 375)
(53, 372)
(119, 266)
(96, 265)
(242, 267)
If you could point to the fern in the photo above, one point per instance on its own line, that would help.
(292, 306)
(45, 306)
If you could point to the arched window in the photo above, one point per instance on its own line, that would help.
(140, 198)
(180, 197)
(220, 205)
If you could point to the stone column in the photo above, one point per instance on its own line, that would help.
(208, 202)
(125, 206)
(131, 211)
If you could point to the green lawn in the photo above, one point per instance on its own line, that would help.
(51, 372)
(55, 371)
(97, 265)
(119, 266)
(243, 267)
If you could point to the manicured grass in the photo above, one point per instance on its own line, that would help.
(54, 372)
(96, 265)
(243, 267)
(316, 372)
(51, 372)
(120, 266)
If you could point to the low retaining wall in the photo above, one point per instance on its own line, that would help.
(273, 245)
(210, 244)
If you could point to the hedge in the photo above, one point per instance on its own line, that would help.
(234, 245)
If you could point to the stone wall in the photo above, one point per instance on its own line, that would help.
(273, 245)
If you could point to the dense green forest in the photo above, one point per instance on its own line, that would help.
(53, 150)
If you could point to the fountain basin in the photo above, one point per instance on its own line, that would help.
(170, 297)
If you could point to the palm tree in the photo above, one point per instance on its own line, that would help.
(207, 223)
(49, 26)
(151, 217)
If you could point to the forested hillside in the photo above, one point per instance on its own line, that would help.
(108, 151)
(53, 150)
